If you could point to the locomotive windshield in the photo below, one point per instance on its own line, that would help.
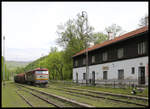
(41, 72)
(41, 75)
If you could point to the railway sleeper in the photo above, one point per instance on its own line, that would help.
(61, 98)
(95, 96)
(24, 99)
(106, 93)
(50, 102)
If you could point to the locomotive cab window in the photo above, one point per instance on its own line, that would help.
(41, 75)
(41, 72)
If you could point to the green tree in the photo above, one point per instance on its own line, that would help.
(74, 33)
(143, 21)
(99, 37)
(73, 36)
(2, 67)
(115, 29)
(54, 63)
(7, 71)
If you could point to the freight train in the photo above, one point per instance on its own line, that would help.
(39, 76)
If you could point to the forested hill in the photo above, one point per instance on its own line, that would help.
(54, 62)
(14, 64)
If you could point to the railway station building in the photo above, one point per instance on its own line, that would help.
(123, 59)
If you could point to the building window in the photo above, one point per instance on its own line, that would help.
(104, 56)
(93, 59)
(120, 52)
(84, 76)
(76, 63)
(84, 60)
(133, 70)
(105, 75)
(120, 74)
(141, 48)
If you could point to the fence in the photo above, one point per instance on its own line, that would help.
(111, 83)
(103, 83)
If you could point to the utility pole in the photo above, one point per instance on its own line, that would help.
(86, 46)
(4, 60)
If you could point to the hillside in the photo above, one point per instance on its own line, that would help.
(14, 64)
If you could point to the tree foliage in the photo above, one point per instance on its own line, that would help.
(55, 65)
(74, 33)
(53, 62)
(143, 21)
(99, 38)
(115, 29)
(73, 37)
(7, 71)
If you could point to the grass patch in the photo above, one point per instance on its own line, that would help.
(10, 97)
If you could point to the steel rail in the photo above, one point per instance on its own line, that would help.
(61, 98)
(24, 99)
(97, 96)
(112, 94)
(50, 102)
(42, 98)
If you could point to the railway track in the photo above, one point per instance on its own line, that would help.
(42, 102)
(55, 100)
(24, 99)
(112, 94)
(108, 93)
(101, 96)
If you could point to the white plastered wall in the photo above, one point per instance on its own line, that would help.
(113, 67)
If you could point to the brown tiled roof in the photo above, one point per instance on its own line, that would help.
(127, 35)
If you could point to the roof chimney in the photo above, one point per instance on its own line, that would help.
(110, 35)
(91, 44)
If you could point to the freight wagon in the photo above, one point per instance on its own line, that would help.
(20, 78)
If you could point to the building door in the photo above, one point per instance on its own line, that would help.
(141, 75)
(120, 77)
(76, 77)
(93, 77)
(120, 74)
(104, 75)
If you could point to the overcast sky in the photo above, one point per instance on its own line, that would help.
(30, 27)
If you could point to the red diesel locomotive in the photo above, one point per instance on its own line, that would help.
(38, 76)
